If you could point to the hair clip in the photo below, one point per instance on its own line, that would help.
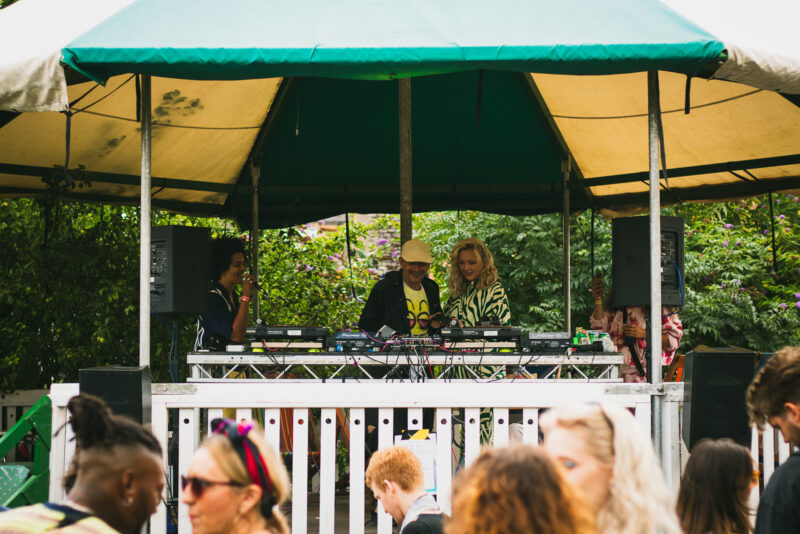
(246, 449)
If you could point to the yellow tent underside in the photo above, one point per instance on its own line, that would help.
(203, 133)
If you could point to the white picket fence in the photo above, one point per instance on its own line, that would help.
(768, 440)
(194, 403)
(203, 401)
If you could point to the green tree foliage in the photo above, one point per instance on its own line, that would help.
(528, 255)
(70, 299)
(308, 279)
(734, 296)
(71, 296)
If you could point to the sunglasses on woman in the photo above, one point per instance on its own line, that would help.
(199, 485)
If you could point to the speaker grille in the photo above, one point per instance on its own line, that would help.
(715, 382)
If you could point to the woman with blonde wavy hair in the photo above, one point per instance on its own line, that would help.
(476, 295)
(516, 490)
(475, 292)
(235, 483)
(601, 452)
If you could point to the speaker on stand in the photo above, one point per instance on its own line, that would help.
(630, 261)
(630, 265)
(179, 276)
(715, 383)
(126, 390)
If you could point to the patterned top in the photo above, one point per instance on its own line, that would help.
(475, 303)
(468, 308)
(613, 324)
(48, 517)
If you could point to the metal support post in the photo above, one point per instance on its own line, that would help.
(255, 174)
(404, 107)
(653, 111)
(566, 168)
(144, 232)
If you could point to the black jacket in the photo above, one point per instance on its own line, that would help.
(386, 304)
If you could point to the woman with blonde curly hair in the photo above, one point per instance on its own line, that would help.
(476, 295)
(601, 452)
(475, 292)
(516, 490)
(235, 483)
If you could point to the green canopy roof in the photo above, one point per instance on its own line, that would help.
(385, 39)
(324, 131)
(480, 141)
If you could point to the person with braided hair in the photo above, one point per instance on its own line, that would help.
(116, 478)
(235, 483)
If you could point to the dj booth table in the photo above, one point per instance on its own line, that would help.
(391, 366)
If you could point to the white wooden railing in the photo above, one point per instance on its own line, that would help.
(200, 402)
(196, 402)
(768, 441)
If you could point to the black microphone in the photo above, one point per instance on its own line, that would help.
(260, 289)
(254, 283)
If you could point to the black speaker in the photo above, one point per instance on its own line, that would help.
(126, 390)
(715, 382)
(630, 261)
(179, 272)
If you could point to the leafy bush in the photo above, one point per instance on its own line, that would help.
(734, 296)
(307, 278)
(71, 296)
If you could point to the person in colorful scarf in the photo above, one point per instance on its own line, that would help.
(635, 330)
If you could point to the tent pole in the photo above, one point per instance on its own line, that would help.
(255, 175)
(404, 108)
(144, 232)
(653, 111)
(566, 167)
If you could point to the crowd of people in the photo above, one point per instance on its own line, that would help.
(408, 302)
(595, 472)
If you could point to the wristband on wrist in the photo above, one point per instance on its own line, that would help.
(598, 301)
(244, 298)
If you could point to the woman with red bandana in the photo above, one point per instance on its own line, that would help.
(235, 483)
